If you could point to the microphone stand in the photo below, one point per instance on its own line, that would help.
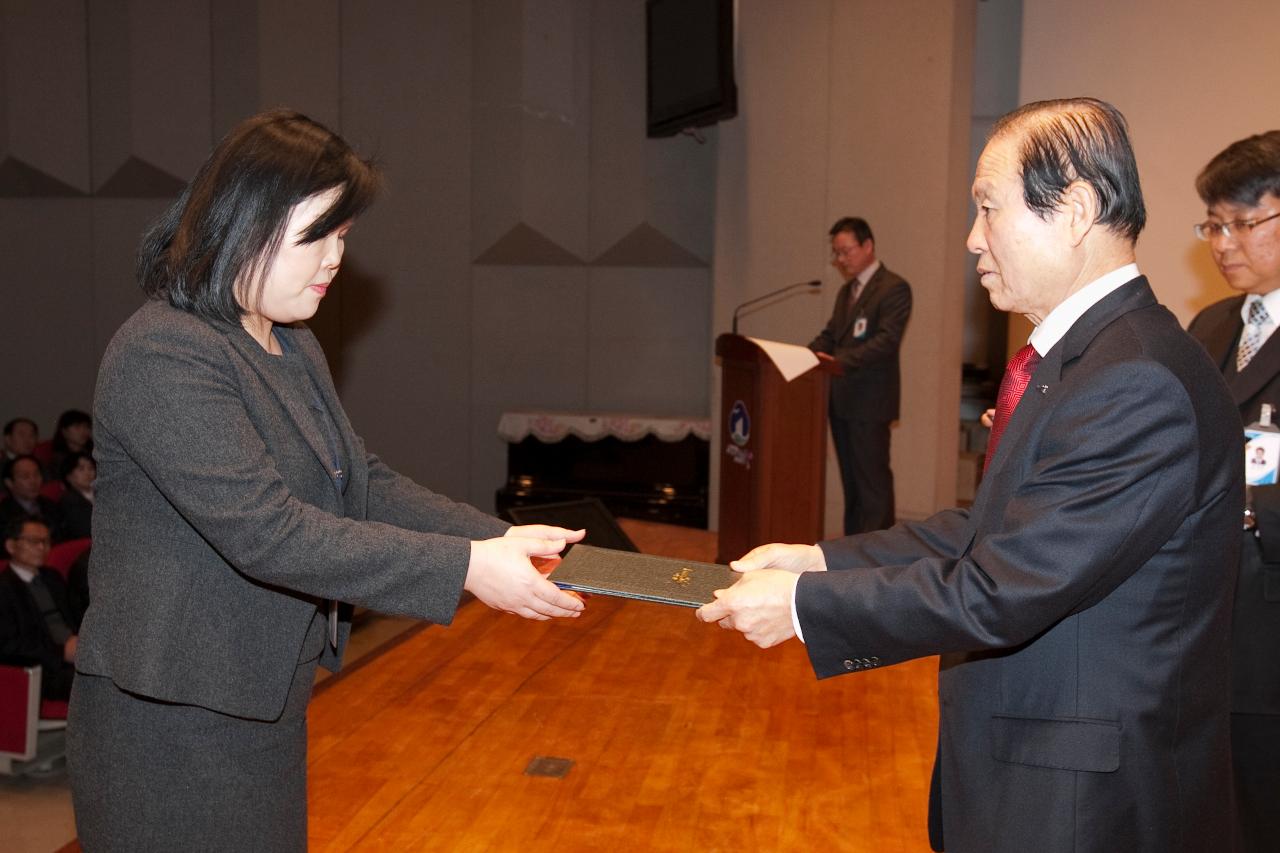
(811, 285)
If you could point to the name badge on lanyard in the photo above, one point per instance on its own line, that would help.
(1261, 450)
(860, 327)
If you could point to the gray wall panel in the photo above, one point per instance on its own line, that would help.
(299, 57)
(233, 28)
(404, 289)
(529, 351)
(496, 142)
(150, 64)
(648, 346)
(117, 228)
(47, 306)
(44, 117)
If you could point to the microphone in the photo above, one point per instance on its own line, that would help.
(814, 286)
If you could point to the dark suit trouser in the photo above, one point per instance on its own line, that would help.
(1255, 754)
(862, 447)
(1255, 737)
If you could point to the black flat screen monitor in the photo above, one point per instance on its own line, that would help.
(690, 64)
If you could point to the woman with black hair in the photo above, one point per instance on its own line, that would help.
(78, 473)
(235, 507)
(73, 434)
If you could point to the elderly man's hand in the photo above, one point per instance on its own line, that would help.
(758, 605)
(789, 558)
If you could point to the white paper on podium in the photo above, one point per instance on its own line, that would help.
(791, 360)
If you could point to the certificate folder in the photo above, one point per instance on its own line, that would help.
(662, 580)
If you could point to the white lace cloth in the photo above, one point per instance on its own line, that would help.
(551, 427)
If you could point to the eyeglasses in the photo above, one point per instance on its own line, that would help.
(1235, 228)
(37, 541)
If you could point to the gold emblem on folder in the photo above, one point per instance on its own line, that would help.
(683, 577)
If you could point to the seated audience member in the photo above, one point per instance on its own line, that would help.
(76, 504)
(73, 434)
(23, 479)
(20, 437)
(36, 623)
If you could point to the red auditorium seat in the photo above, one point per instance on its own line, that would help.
(62, 555)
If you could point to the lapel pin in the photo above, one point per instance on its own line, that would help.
(1043, 389)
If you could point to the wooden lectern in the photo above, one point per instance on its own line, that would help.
(773, 453)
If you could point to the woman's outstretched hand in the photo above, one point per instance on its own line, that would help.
(501, 575)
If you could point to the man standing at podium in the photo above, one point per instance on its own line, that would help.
(863, 335)
(1082, 607)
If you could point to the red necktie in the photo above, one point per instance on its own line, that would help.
(1016, 377)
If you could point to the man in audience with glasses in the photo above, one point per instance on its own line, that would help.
(1241, 188)
(36, 623)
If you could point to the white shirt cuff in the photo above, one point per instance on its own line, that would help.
(795, 617)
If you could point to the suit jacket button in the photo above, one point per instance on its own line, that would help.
(848, 665)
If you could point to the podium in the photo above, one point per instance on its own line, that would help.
(773, 454)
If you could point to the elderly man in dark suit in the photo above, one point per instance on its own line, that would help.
(1082, 605)
(36, 622)
(1241, 189)
(863, 335)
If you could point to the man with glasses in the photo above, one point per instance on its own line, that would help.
(36, 623)
(1241, 188)
(864, 335)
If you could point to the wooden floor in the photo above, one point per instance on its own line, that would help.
(682, 737)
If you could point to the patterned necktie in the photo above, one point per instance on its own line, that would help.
(1016, 377)
(1251, 340)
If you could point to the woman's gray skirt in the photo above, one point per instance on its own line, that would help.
(155, 776)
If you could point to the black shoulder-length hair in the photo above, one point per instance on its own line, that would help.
(69, 418)
(209, 252)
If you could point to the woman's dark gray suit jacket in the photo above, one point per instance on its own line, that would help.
(219, 528)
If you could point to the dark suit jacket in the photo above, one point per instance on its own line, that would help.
(219, 528)
(76, 516)
(49, 512)
(870, 388)
(24, 637)
(1256, 626)
(1081, 607)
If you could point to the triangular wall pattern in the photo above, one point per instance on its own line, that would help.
(646, 246)
(137, 178)
(523, 246)
(21, 180)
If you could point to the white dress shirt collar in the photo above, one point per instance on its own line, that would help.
(1062, 318)
(865, 276)
(1270, 301)
(26, 574)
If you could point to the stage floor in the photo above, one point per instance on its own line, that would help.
(681, 736)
